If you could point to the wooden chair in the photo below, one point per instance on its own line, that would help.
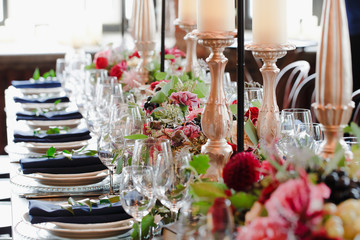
(287, 81)
(304, 95)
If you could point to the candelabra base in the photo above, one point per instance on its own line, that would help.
(219, 153)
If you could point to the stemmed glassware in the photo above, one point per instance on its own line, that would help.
(108, 154)
(137, 191)
(172, 180)
(147, 151)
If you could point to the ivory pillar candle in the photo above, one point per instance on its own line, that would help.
(215, 15)
(187, 11)
(269, 21)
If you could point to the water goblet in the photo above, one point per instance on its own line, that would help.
(137, 191)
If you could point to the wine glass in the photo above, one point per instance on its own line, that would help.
(172, 180)
(92, 76)
(60, 69)
(147, 151)
(302, 124)
(253, 94)
(137, 191)
(108, 154)
(287, 131)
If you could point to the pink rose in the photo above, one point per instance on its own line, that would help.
(185, 98)
(263, 228)
(118, 69)
(106, 54)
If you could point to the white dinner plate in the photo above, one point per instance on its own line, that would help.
(27, 91)
(71, 123)
(31, 106)
(83, 231)
(68, 179)
(43, 147)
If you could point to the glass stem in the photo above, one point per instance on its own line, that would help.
(140, 234)
(111, 192)
(173, 215)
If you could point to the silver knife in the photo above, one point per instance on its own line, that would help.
(59, 195)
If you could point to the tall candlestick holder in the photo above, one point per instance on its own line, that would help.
(333, 85)
(146, 52)
(192, 64)
(216, 118)
(268, 124)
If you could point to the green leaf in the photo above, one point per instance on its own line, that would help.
(91, 66)
(90, 152)
(53, 131)
(160, 76)
(86, 202)
(201, 90)
(71, 201)
(159, 98)
(51, 152)
(114, 199)
(135, 231)
(36, 74)
(57, 102)
(169, 56)
(233, 109)
(201, 207)
(251, 132)
(170, 85)
(200, 163)
(136, 136)
(243, 200)
(52, 73)
(209, 189)
(184, 77)
(146, 223)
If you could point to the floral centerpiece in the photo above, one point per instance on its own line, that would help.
(122, 65)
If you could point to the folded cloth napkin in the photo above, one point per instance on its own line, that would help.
(36, 84)
(41, 211)
(40, 100)
(62, 165)
(70, 136)
(48, 116)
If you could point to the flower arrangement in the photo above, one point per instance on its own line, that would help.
(304, 197)
(122, 65)
(175, 111)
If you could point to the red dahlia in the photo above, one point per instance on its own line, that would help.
(242, 171)
(253, 112)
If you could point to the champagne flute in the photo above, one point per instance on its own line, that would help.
(172, 180)
(136, 191)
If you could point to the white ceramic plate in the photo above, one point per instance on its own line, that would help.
(68, 179)
(83, 231)
(71, 123)
(26, 91)
(43, 147)
(31, 106)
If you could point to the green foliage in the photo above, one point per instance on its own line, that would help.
(250, 130)
(50, 73)
(242, 200)
(36, 74)
(136, 136)
(201, 90)
(208, 190)
(57, 102)
(233, 109)
(51, 152)
(200, 163)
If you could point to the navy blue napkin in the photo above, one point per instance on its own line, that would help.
(49, 116)
(41, 211)
(70, 136)
(62, 165)
(40, 100)
(36, 84)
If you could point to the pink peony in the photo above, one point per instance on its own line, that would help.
(118, 69)
(105, 54)
(298, 203)
(190, 131)
(263, 228)
(185, 98)
(131, 79)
